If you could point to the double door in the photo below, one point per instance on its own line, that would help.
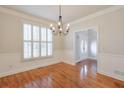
(81, 45)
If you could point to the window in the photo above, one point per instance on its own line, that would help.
(37, 41)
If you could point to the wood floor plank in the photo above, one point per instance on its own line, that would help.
(62, 75)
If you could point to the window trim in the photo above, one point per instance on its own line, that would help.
(40, 57)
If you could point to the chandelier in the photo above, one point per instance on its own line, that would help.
(60, 28)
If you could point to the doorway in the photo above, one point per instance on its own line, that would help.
(86, 44)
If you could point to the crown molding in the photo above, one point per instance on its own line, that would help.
(100, 13)
(44, 21)
(24, 15)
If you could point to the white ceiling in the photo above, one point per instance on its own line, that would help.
(50, 12)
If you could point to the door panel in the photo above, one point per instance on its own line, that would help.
(81, 45)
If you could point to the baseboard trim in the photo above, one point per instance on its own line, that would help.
(104, 75)
(92, 58)
(16, 71)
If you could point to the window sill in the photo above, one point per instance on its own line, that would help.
(37, 58)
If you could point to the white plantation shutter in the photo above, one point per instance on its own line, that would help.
(38, 41)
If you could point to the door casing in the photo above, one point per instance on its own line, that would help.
(95, 28)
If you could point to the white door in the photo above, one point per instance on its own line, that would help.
(81, 45)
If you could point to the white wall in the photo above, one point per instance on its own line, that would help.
(11, 43)
(111, 38)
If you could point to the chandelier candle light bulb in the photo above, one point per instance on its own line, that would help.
(59, 23)
(60, 29)
(68, 25)
(51, 25)
(53, 28)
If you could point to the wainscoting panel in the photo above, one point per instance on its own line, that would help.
(11, 63)
(111, 65)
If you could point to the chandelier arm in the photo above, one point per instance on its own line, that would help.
(55, 32)
(65, 32)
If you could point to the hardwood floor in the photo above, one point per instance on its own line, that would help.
(61, 75)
